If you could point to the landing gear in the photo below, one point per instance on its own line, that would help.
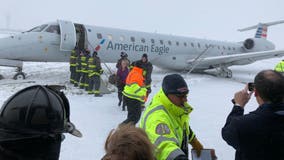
(19, 75)
(224, 72)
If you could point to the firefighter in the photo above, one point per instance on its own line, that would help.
(280, 67)
(134, 93)
(166, 120)
(94, 73)
(32, 124)
(78, 74)
(73, 64)
(84, 69)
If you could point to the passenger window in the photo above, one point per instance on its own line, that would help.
(177, 43)
(185, 44)
(219, 47)
(121, 38)
(99, 36)
(198, 45)
(169, 42)
(53, 29)
(109, 36)
(152, 41)
(229, 48)
(132, 39)
(224, 47)
(161, 42)
(143, 40)
(192, 45)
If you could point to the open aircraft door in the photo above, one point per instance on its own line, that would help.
(68, 35)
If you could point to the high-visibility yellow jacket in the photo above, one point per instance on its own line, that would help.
(167, 125)
(279, 67)
(134, 85)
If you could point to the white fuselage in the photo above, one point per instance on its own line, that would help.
(165, 51)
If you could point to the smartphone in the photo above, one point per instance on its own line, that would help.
(206, 154)
(251, 86)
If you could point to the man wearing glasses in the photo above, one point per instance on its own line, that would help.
(166, 120)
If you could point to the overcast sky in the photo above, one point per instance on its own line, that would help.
(211, 19)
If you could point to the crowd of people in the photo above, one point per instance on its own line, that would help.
(33, 120)
(85, 70)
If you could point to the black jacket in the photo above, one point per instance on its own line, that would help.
(258, 135)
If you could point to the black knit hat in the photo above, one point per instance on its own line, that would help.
(145, 55)
(174, 84)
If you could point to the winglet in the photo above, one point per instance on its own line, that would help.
(261, 31)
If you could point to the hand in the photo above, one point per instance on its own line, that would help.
(242, 97)
(196, 145)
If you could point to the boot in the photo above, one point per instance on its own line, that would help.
(98, 95)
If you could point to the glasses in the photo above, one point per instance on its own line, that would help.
(181, 95)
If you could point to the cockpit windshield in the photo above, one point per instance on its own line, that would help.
(53, 29)
(38, 28)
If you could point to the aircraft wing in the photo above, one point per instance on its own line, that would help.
(236, 59)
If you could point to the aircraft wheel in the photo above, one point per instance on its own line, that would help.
(229, 74)
(1, 77)
(19, 75)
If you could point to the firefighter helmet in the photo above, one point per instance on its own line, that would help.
(36, 111)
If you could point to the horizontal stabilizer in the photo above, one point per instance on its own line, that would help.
(266, 24)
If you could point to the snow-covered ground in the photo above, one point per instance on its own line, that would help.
(96, 116)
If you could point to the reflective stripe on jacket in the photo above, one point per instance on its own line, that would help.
(94, 66)
(279, 67)
(165, 123)
(134, 85)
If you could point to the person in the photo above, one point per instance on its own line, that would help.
(84, 69)
(166, 120)
(123, 56)
(134, 93)
(121, 75)
(280, 67)
(128, 142)
(148, 72)
(78, 74)
(32, 123)
(94, 73)
(148, 68)
(258, 134)
(73, 64)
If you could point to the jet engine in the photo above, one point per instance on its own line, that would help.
(257, 44)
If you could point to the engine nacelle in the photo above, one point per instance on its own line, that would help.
(257, 44)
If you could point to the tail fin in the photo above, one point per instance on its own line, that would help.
(261, 31)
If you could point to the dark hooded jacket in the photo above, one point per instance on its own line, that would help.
(258, 135)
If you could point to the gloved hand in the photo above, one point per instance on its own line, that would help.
(196, 145)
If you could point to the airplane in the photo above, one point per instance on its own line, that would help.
(53, 42)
